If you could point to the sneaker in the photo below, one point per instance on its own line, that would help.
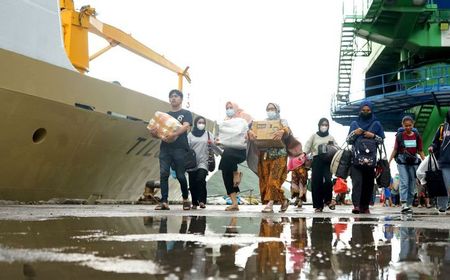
(406, 209)
(442, 211)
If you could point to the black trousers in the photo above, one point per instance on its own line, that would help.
(197, 185)
(228, 164)
(321, 185)
(363, 182)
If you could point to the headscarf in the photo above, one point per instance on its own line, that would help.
(372, 124)
(320, 133)
(238, 112)
(278, 110)
(195, 131)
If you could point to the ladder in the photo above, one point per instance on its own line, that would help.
(423, 116)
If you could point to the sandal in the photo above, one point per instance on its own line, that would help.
(267, 209)
(332, 205)
(186, 205)
(318, 210)
(162, 206)
(232, 208)
(284, 205)
(202, 205)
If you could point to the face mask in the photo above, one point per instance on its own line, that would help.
(323, 128)
(365, 116)
(201, 126)
(230, 113)
(271, 115)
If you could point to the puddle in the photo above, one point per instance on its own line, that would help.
(221, 247)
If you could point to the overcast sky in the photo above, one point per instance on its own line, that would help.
(248, 51)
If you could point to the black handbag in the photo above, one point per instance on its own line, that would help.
(190, 159)
(383, 177)
(434, 179)
(344, 165)
(211, 158)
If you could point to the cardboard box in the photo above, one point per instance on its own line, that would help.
(264, 131)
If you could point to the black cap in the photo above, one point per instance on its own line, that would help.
(177, 92)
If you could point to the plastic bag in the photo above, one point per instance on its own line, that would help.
(423, 167)
(232, 133)
(164, 124)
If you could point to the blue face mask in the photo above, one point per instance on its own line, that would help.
(271, 115)
(230, 113)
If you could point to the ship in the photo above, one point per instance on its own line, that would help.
(65, 134)
(404, 48)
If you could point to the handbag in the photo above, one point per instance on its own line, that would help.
(211, 158)
(344, 163)
(383, 170)
(340, 186)
(190, 159)
(435, 180)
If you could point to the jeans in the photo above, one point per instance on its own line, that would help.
(407, 186)
(174, 158)
(442, 201)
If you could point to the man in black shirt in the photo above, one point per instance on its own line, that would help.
(172, 152)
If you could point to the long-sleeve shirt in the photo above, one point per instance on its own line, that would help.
(314, 141)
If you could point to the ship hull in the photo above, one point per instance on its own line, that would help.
(67, 135)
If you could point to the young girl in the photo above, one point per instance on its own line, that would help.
(407, 145)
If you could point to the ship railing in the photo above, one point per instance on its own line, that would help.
(433, 80)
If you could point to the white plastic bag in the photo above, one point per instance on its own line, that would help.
(423, 167)
(232, 133)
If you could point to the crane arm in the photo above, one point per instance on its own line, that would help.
(117, 37)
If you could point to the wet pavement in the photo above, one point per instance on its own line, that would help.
(136, 242)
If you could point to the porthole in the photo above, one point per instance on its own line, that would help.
(39, 135)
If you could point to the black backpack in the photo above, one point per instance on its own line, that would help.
(365, 152)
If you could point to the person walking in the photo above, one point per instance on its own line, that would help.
(408, 143)
(321, 185)
(172, 151)
(365, 134)
(199, 139)
(232, 137)
(441, 149)
(272, 165)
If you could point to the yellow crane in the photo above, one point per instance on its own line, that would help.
(76, 26)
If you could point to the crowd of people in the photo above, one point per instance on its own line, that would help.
(236, 140)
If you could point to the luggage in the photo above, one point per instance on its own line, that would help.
(164, 124)
(232, 133)
(341, 162)
(365, 152)
(383, 170)
(327, 151)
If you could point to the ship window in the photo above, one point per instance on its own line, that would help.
(39, 135)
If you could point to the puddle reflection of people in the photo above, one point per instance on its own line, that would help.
(321, 239)
(226, 261)
(365, 265)
(299, 242)
(271, 263)
(185, 259)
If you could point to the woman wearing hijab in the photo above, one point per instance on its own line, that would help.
(366, 132)
(235, 126)
(321, 185)
(440, 147)
(272, 165)
(198, 140)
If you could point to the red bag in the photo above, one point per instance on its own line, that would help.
(340, 186)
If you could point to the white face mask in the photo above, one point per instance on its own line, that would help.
(201, 126)
(271, 115)
(323, 128)
(230, 112)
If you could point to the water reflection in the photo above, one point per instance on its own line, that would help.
(200, 247)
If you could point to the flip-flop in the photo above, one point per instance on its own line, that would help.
(232, 208)
(284, 205)
(162, 206)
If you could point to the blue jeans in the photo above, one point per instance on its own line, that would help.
(174, 158)
(442, 201)
(407, 187)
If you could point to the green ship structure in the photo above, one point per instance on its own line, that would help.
(407, 47)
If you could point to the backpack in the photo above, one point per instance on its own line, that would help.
(365, 152)
(405, 157)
